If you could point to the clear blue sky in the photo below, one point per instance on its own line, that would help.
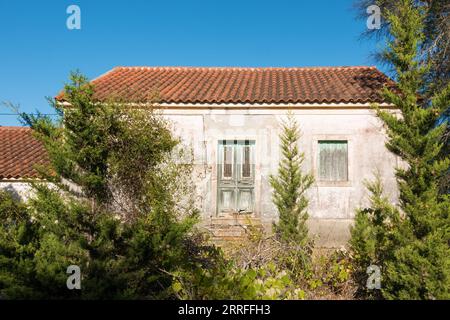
(38, 51)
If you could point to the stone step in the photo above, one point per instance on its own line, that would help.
(226, 229)
(225, 242)
(222, 225)
(239, 220)
(223, 233)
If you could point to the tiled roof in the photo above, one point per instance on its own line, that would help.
(19, 153)
(228, 85)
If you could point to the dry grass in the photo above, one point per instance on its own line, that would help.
(322, 275)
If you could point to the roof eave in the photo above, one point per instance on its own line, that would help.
(165, 105)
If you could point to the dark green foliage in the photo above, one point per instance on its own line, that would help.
(17, 246)
(119, 207)
(374, 236)
(290, 186)
(433, 47)
(412, 246)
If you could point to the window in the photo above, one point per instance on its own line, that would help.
(227, 162)
(333, 161)
(236, 176)
(246, 166)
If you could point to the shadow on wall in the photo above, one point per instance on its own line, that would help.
(12, 191)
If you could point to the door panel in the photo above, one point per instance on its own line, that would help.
(227, 199)
(245, 200)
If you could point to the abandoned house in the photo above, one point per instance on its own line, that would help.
(231, 117)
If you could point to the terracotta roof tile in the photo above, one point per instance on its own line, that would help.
(220, 85)
(19, 153)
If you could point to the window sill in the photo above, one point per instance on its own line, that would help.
(333, 183)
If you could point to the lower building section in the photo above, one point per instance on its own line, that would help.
(326, 233)
(330, 233)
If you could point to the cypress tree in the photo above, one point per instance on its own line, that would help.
(414, 252)
(290, 186)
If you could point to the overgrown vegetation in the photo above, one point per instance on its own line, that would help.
(410, 243)
(119, 207)
(323, 275)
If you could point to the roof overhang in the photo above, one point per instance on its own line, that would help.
(196, 106)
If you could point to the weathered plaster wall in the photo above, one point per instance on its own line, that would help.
(332, 206)
(19, 189)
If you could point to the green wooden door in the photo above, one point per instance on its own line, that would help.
(236, 177)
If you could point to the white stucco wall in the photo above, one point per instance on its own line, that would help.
(332, 206)
(19, 189)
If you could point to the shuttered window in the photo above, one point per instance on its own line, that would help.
(235, 176)
(333, 161)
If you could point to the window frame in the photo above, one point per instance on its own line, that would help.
(222, 162)
(319, 164)
(251, 164)
(315, 159)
